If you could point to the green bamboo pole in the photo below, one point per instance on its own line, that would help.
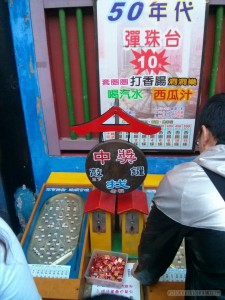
(66, 66)
(81, 44)
(216, 51)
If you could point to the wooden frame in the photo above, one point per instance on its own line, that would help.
(55, 144)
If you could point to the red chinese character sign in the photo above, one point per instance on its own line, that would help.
(150, 57)
(116, 167)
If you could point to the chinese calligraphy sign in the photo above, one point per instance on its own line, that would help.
(116, 167)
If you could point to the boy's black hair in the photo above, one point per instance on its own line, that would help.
(213, 117)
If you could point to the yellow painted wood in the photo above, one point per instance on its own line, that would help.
(69, 178)
(85, 253)
(151, 180)
(58, 289)
(161, 291)
(130, 241)
(102, 241)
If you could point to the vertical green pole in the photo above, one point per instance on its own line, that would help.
(216, 51)
(66, 65)
(81, 44)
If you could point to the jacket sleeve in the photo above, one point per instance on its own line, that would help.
(158, 246)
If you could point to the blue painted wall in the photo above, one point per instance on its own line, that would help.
(42, 163)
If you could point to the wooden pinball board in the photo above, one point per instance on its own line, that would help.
(56, 233)
(56, 240)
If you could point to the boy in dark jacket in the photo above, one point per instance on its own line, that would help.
(188, 206)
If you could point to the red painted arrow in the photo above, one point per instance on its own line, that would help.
(133, 125)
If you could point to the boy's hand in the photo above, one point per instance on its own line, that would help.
(133, 269)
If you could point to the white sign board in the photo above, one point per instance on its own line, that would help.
(150, 57)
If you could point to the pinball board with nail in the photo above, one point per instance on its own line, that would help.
(53, 246)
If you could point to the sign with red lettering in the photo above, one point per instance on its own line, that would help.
(116, 167)
(150, 57)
